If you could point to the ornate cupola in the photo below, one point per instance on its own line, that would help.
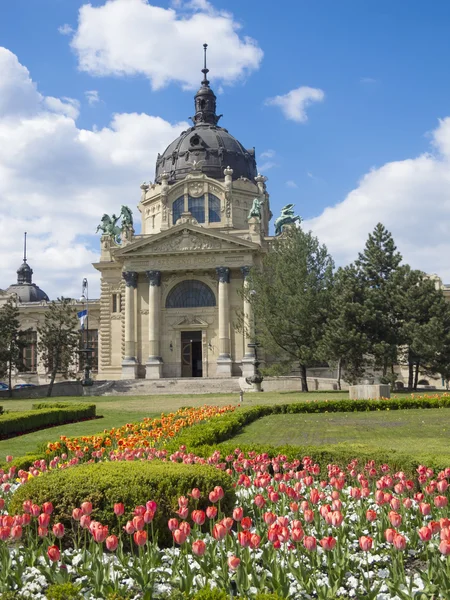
(205, 100)
(25, 289)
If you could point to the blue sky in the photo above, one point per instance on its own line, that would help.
(373, 148)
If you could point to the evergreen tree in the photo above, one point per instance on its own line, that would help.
(344, 341)
(59, 339)
(11, 342)
(291, 297)
(377, 266)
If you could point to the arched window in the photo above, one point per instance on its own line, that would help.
(213, 208)
(196, 206)
(190, 294)
(177, 209)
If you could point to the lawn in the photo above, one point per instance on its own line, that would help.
(118, 410)
(417, 431)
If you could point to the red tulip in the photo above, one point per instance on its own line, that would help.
(151, 505)
(440, 501)
(259, 501)
(211, 512)
(196, 494)
(2, 503)
(47, 508)
(42, 532)
(399, 542)
(43, 520)
(179, 536)
(58, 530)
(138, 523)
(35, 510)
(425, 534)
(371, 515)
(297, 534)
(85, 521)
(185, 527)
(54, 553)
(395, 518)
(198, 547)
(198, 516)
(140, 538)
(328, 543)
(9, 458)
(183, 512)
(173, 524)
(434, 527)
(444, 547)
(4, 533)
(337, 518)
(139, 511)
(112, 542)
(246, 523)
(219, 531)
(425, 508)
(365, 543)
(119, 509)
(238, 513)
(16, 532)
(233, 563)
(389, 535)
(244, 538)
(213, 496)
(86, 507)
(77, 513)
(129, 528)
(269, 518)
(255, 540)
(310, 542)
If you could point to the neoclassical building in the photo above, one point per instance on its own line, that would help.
(170, 296)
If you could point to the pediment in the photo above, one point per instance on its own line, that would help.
(191, 322)
(185, 238)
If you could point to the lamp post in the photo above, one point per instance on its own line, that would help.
(86, 351)
(257, 378)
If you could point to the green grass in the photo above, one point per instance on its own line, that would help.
(118, 410)
(413, 431)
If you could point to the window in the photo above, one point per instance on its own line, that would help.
(116, 303)
(196, 207)
(213, 209)
(190, 294)
(29, 352)
(91, 337)
(177, 209)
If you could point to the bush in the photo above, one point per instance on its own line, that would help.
(211, 594)
(64, 591)
(133, 483)
(41, 405)
(21, 422)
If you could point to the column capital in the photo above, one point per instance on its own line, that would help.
(223, 274)
(154, 277)
(130, 278)
(245, 270)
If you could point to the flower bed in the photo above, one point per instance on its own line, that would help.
(362, 532)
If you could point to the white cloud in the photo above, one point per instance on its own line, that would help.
(267, 154)
(133, 37)
(65, 29)
(294, 104)
(291, 184)
(410, 197)
(265, 166)
(368, 80)
(56, 180)
(92, 96)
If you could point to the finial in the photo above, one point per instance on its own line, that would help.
(205, 70)
(25, 248)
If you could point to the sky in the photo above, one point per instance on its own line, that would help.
(346, 103)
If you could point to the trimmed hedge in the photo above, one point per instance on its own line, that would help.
(21, 422)
(133, 483)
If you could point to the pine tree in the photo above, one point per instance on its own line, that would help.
(11, 342)
(377, 266)
(58, 339)
(344, 341)
(291, 297)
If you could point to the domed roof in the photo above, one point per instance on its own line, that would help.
(206, 147)
(25, 289)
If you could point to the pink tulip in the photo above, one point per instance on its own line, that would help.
(77, 513)
(172, 524)
(138, 523)
(198, 547)
(53, 553)
(399, 542)
(238, 513)
(255, 540)
(444, 547)
(119, 509)
(58, 530)
(234, 562)
(43, 520)
(395, 518)
(179, 536)
(140, 538)
(425, 534)
(86, 507)
(16, 532)
(211, 512)
(365, 543)
(198, 517)
(440, 501)
(389, 535)
(219, 531)
(47, 508)
(310, 542)
(112, 542)
(129, 528)
(196, 494)
(85, 521)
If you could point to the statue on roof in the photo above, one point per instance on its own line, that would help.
(127, 218)
(255, 210)
(286, 218)
(108, 226)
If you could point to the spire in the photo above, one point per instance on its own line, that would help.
(205, 99)
(24, 272)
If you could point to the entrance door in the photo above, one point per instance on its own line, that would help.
(191, 354)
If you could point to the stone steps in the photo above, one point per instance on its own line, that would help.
(144, 387)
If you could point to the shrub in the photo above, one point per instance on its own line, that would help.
(64, 591)
(133, 483)
(41, 405)
(211, 594)
(21, 422)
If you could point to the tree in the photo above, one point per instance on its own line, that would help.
(344, 341)
(58, 339)
(377, 266)
(290, 297)
(11, 342)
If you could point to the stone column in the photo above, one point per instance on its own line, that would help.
(224, 363)
(154, 362)
(248, 360)
(129, 363)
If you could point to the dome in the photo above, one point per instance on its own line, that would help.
(28, 292)
(206, 147)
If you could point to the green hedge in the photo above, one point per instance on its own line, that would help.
(133, 483)
(21, 422)
(41, 405)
